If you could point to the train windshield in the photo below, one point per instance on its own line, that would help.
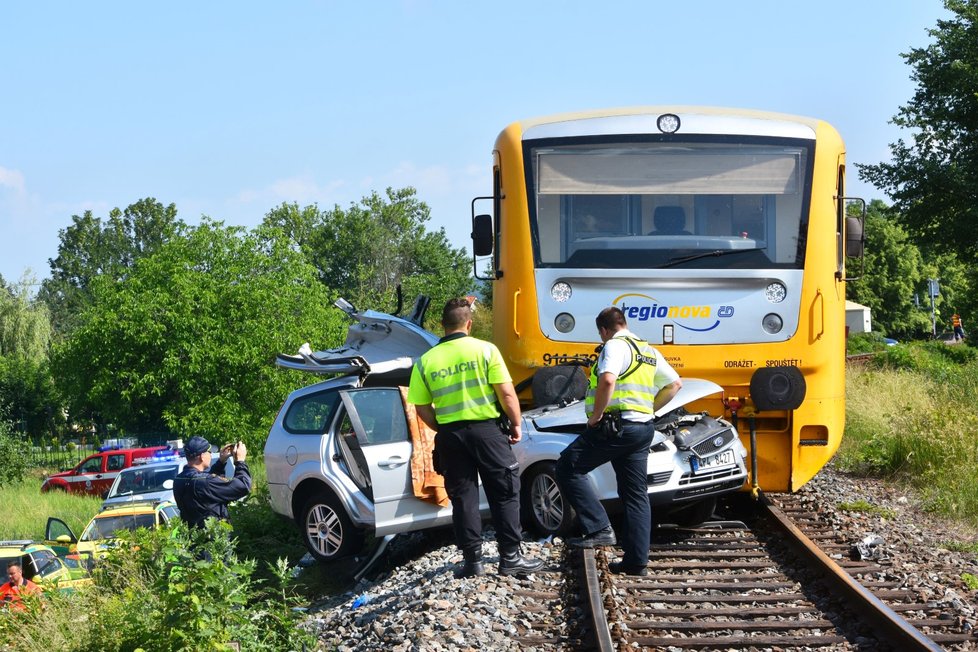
(730, 204)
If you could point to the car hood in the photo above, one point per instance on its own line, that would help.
(151, 496)
(548, 418)
(376, 343)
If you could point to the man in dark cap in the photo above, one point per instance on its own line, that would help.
(202, 490)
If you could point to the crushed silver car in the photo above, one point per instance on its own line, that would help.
(339, 454)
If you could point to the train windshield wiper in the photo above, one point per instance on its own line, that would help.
(679, 260)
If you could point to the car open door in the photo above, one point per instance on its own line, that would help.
(383, 447)
(59, 537)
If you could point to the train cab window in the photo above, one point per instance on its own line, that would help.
(649, 204)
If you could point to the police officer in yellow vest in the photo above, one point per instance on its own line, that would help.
(629, 381)
(457, 387)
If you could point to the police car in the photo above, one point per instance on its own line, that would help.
(152, 481)
(147, 482)
(348, 457)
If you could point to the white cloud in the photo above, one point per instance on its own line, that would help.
(13, 179)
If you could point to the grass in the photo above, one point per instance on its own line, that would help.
(867, 508)
(914, 420)
(26, 510)
(959, 546)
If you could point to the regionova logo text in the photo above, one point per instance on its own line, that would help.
(642, 307)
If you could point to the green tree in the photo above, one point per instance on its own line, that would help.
(933, 178)
(186, 340)
(894, 281)
(365, 251)
(27, 391)
(29, 395)
(91, 249)
(25, 323)
(894, 271)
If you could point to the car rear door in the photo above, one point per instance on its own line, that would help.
(382, 437)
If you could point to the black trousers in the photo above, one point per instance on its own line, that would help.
(468, 450)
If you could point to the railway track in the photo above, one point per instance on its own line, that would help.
(763, 583)
(746, 583)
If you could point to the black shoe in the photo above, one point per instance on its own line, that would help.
(470, 569)
(605, 537)
(472, 566)
(514, 563)
(619, 568)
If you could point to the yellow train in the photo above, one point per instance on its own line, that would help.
(722, 234)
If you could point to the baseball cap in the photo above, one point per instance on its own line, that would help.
(196, 446)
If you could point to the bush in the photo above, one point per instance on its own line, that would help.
(168, 589)
(865, 343)
(937, 360)
(15, 454)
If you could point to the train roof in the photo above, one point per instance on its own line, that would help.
(693, 119)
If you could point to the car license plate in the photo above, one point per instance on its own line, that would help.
(715, 461)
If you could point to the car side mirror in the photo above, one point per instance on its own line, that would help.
(168, 483)
(482, 235)
(64, 538)
(854, 237)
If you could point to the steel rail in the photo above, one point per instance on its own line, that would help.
(892, 627)
(599, 618)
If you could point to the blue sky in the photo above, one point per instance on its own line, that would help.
(227, 109)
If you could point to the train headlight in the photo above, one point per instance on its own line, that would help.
(564, 322)
(772, 323)
(775, 292)
(668, 123)
(560, 292)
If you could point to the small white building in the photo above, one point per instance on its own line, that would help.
(858, 318)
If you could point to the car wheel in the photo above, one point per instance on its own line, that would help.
(327, 530)
(545, 509)
(695, 514)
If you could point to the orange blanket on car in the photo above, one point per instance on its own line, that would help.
(428, 485)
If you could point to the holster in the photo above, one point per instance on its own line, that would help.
(503, 421)
(610, 425)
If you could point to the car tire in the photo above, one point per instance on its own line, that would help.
(695, 514)
(327, 530)
(545, 510)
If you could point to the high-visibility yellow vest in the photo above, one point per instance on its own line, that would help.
(457, 374)
(634, 389)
